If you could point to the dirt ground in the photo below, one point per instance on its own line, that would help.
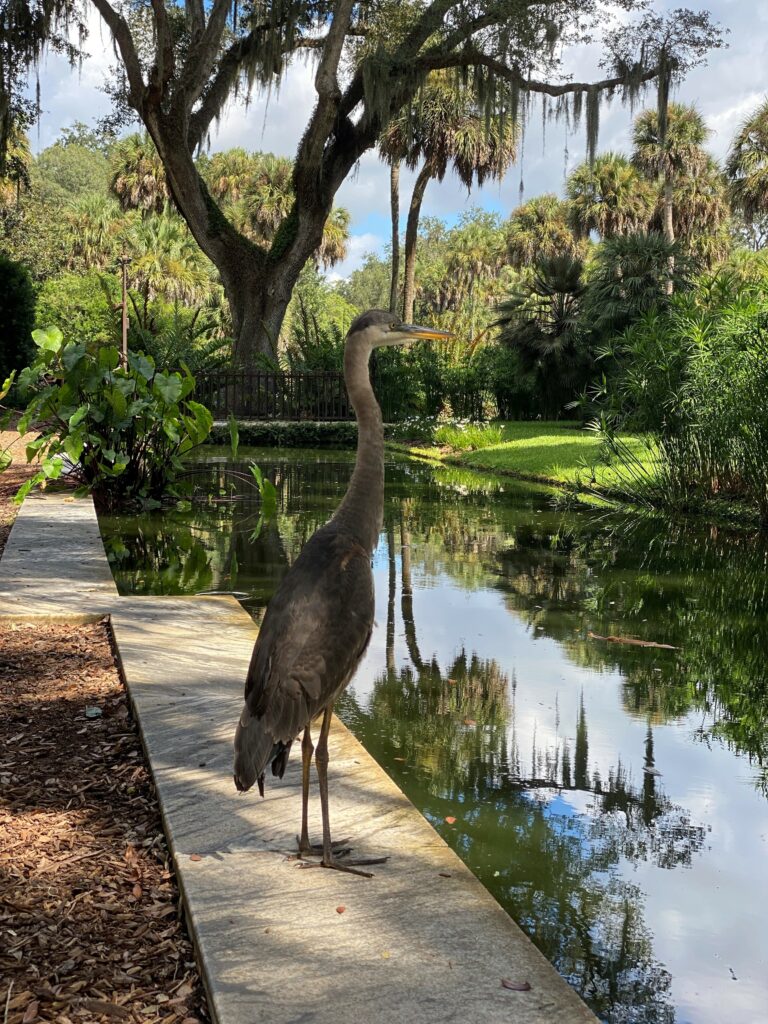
(90, 927)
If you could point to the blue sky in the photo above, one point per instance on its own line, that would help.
(734, 81)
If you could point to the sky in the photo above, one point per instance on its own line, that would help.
(725, 91)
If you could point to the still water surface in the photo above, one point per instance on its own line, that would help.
(613, 797)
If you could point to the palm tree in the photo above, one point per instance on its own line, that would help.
(94, 225)
(446, 128)
(334, 245)
(701, 213)
(477, 253)
(540, 323)
(629, 277)
(747, 165)
(18, 158)
(267, 197)
(609, 197)
(138, 176)
(670, 156)
(256, 191)
(167, 262)
(228, 174)
(540, 229)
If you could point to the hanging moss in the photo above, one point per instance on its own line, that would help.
(593, 122)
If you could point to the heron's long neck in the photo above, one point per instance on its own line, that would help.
(362, 509)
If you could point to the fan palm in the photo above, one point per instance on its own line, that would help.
(630, 277)
(138, 176)
(167, 262)
(609, 197)
(18, 158)
(228, 174)
(477, 253)
(540, 323)
(672, 156)
(701, 213)
(539, 229)
(747, 165)
(446, 128)
(94, 224)
(334, 246)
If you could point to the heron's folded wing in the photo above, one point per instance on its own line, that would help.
(313, 635)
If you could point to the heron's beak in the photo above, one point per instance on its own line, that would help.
(414, 331)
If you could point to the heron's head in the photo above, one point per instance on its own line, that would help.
(378, 328)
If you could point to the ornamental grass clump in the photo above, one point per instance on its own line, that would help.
(468, 437)
(119, 431)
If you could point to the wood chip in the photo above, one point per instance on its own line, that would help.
(90, 927)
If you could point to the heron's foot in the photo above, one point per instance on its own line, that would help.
(306, 849)
(350, 866)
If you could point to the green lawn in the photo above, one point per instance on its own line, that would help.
(554, 452)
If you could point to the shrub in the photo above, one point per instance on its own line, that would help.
(304, 434)
(697, 378)
(466, 437)
(120, 431)
(17, 316)
(82, 306)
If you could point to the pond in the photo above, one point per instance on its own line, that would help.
(612, 796)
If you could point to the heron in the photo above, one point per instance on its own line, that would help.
(318, 624)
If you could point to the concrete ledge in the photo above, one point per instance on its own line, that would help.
(422, 941)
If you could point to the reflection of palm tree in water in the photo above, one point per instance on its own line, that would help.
(406, 599)
(391, 597)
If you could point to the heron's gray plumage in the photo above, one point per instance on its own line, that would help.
(314, 633)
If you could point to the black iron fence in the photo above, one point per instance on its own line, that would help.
(275, 395)
(322, 395)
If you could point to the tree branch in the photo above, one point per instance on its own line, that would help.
(200, 60)
(163, 70)
(474, 58)
(121, 33)
(230, 67)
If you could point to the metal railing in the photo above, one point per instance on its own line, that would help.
(275, 395)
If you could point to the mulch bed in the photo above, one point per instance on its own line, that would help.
(90, 925)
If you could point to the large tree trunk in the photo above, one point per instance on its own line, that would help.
(394, 202)
(411, 236)
(258, 285)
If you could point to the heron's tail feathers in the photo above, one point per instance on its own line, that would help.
(254, 749)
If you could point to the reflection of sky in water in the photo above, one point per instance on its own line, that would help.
(623, 884)
(707, 919)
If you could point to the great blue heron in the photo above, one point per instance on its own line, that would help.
(318, 624)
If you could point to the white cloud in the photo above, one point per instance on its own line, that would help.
(358, 248)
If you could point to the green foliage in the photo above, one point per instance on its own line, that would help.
(17, 316)
(178, 336)
(469, 437)
(540, 229)
(73, 168)
(696, 376)
(747, 165)
(302, 434)
(120, 431)
(609, 196)
(33, 232)
(540, 322)
(368, 286)
(267, 491)
(629, 278)
(82, 305)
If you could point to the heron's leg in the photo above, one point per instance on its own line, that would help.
(321, 761)
(307, 749)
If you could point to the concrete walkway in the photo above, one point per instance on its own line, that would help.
(422, 941)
